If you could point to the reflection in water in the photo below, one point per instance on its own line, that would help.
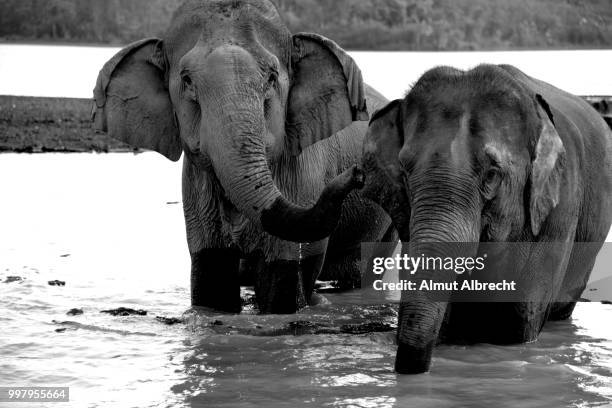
(216, 360)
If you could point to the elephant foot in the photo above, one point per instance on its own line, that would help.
(214, 279)
(279, 287)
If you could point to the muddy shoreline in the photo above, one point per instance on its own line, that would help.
(39, 125)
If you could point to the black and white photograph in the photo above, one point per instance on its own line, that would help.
(305, 203)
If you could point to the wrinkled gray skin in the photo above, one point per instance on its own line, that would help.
(267, 122)
(491, 155)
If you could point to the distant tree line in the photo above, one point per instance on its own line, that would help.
(93, 21)
(355, 24)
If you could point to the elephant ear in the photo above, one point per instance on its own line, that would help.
(327, 91)
(385, 140)
(132, 103)
(546, 168)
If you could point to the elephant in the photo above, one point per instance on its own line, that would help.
(491, 155)
(269, 125)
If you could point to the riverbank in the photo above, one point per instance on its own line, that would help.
(603, 105)
(37, 125)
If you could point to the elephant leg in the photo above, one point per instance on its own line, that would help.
(284, 283)
(463, 323)
(561, 310)
(512, 323)
(312, 257)
(383, 249)
(248, 268)
(214, 279)
(214, 266)
(575, 280)
(361, 221)
(496, 323)
(344, 268)
(279, 286)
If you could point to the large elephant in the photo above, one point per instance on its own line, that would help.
(491, 155)
(265, 120)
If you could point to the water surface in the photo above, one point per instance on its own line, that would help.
(111, 227)
(71, 71)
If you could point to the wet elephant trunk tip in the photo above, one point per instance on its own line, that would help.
(410, 360)
(294, 223)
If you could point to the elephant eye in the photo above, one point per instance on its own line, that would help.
(272, 78)
(186, 79)
(492, 179)
(491, 175)
(187, 86)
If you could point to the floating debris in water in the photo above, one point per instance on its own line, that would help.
(168, 320)
(125, 311)
(74, 312)
(64, 255)
(57, 283)
(369, 327)
(300, 327)
(60, 330)
(10, 279)
(76, 326)
(172, 202)
(305, 327)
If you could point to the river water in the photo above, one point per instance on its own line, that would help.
(70, 71)
(111, 227)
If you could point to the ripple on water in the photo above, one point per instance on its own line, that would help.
(197, 363)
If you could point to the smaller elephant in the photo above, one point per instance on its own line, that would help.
(487, 157)
(492, 155)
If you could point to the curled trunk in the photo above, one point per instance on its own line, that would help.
(240, 164)
(294, 223)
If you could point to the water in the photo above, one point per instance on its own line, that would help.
(111, 227)
(39, 70)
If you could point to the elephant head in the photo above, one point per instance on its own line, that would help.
(468, 157)
(233, 89)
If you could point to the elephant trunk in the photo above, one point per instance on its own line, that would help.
(442, 226)
(240, 163)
